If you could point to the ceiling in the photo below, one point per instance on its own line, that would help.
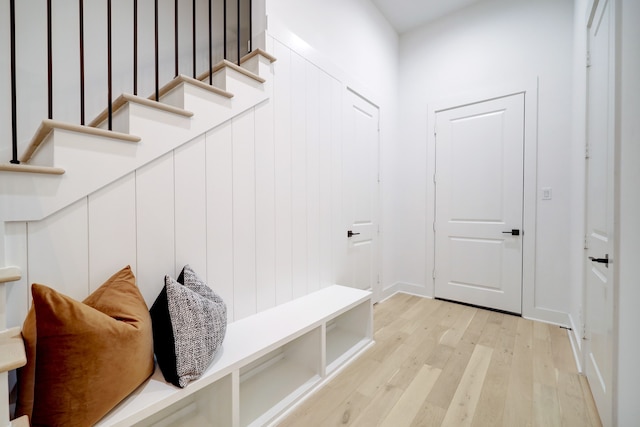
(405, 15)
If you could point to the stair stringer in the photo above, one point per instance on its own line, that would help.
(93, 162)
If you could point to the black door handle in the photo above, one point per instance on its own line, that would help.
(351, 233)
(513, 232)
(604, 260)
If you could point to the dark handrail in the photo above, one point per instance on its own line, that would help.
(14, 110)
(86, 95)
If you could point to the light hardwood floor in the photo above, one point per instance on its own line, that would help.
(437, 363)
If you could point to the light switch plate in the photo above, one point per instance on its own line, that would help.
(546, 193)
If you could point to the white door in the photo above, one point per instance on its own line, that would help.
(360, 194)
(599, 292)
(478, 213)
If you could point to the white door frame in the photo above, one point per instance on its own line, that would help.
(529, 87)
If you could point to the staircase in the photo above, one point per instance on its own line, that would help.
(67, 162)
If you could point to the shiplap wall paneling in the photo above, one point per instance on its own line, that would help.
(326, 175)
(59, 251)
(313, 176)
(282, 173)
(220, 260)
(191, 207)
(155, 225)
(17, 293)
(112, 230)
(244, 215)
(299, 175)
(265, 207)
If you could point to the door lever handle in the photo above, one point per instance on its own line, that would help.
(513, 232)
(604, 260)
(351, 233)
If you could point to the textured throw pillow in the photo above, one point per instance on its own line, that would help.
(88, 355)
(189, 325)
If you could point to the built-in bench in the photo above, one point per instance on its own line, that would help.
(267, 363)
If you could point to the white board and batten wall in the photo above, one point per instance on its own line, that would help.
(254, 206)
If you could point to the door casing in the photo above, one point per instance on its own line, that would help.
(529, 87)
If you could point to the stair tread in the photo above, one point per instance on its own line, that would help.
(23, 167)
(48, 125)
(123, 99)
(256, 52)
(12, 353)
(186, 79)
(224, 63)
(9, 274)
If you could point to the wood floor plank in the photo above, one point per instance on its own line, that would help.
(379, 407)
(447, 383)
(519, 403)
(573, 410)
(561, 348)
(465, 399)
(491, 329)
(412, 399)
(453, 335)
(594, 418)
(544, 369)
(491, 405)
(429, 415)
(546, 409)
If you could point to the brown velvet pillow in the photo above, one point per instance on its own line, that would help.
(88, 356)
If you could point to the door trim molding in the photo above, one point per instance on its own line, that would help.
(528, 87)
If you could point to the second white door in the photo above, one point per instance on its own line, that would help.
(360, 196)
(479, 203)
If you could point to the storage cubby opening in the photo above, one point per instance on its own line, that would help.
(347, 334)
(273, 382)
(210, 406)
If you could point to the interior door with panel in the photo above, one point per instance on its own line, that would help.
(479, 203)
(360, 194)
(599, 291)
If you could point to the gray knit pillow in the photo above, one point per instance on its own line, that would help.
(198, 320)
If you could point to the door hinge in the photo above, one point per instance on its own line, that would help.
(433, 274)
(588, 59)
(434, 226)
(434, 178)
(586, 242)
(586, 151)
(378, 278)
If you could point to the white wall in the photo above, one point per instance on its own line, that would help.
(354, 43)
(480, 47)
(626, 408)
